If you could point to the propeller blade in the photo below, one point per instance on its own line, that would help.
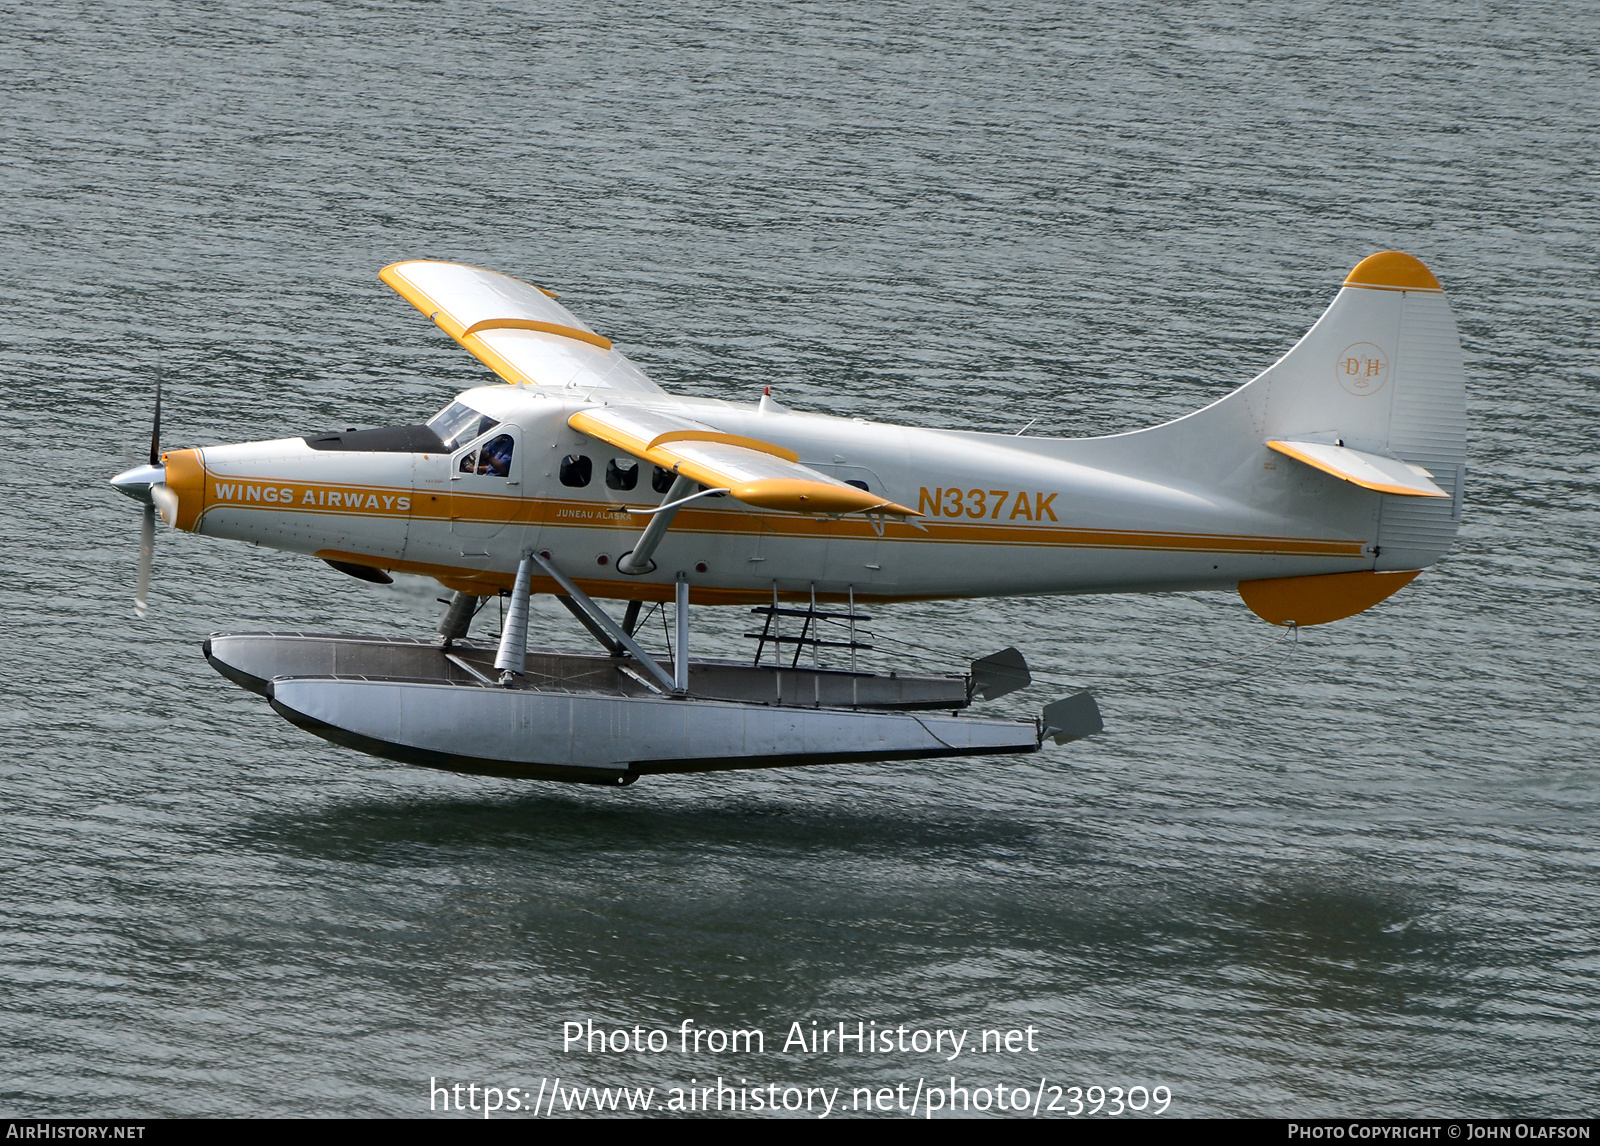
(166, 501)
(147, 556)
(145, 483)
(155, 429)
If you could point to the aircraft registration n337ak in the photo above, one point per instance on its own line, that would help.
(1316, 490)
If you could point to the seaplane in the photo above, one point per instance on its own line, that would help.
(1315, 491)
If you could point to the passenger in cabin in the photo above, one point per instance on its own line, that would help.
(495, 457)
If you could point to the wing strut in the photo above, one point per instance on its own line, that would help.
(637, 560)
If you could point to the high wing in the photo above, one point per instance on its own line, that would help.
(521, 333)
(757, 473)
(517, 330)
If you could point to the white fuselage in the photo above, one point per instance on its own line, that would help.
(1001, 515)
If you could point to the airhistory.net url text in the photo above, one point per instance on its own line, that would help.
(557, 1098)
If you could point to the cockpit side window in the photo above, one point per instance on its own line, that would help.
(458, 423)
(495, 457)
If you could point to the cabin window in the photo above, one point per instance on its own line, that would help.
(854, 482)
(458, 423)
(622, 473)
(661, 480)
(576, 470)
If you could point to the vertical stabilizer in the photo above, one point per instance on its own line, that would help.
(1372, 400)
(1381, 372)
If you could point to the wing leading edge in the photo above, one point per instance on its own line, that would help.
(517, 330)
(757, 473)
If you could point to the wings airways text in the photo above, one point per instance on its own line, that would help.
(311, 497)
(986, 503)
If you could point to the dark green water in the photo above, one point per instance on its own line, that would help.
(1358, 879)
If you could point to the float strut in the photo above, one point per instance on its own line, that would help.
(630, 619)
(610, 645)
(603, 619)
(680, 666)
(512, 659)
(458, 618)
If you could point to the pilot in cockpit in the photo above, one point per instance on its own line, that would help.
(495, 457)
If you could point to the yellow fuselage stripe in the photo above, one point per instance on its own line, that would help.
(495, 509)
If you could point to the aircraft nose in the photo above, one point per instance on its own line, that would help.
(136, 483)
(181, 498)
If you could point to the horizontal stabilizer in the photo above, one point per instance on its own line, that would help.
(1317, 600)
(757, 473)
(1369, 471)
(517, 330)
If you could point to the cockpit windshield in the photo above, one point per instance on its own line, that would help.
(458, 423)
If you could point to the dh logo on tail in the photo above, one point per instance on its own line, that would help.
(1362, 368)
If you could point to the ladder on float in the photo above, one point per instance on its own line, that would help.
(810, 636)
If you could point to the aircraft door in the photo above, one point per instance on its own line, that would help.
(486, 483)
(854, 550)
